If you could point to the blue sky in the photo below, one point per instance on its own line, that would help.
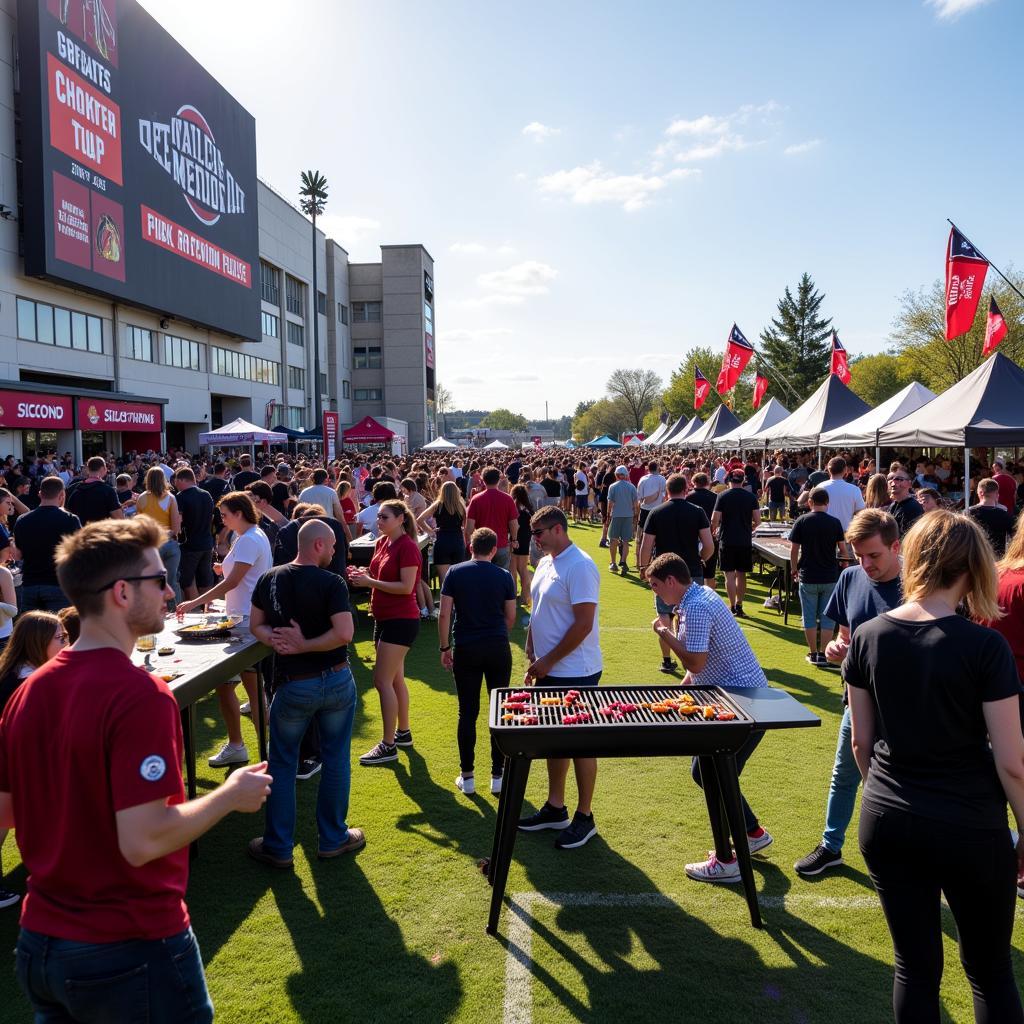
(603, 184)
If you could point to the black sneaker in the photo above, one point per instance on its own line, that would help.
(812, 658)
(623, 567)
(581, 831)
(8, 898)
(546, 817)
(381, 754)
(403, 737)
(820, 859)
(308, 767)
(740, 613)
(668, 666)
(603, 544)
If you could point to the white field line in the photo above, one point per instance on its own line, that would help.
(518, 1006)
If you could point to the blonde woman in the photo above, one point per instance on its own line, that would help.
(157, 502)
(935, 709)
(449, 513)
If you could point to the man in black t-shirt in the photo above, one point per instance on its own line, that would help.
(905, 508)
(195, 573)
(245, 474)
(36, 535)
(704, 498)
(736, 516)
(779, 492)
(815, 541)
(287, 540)
(93, 499)
(993, 518)
(680, 528)
(303, 612)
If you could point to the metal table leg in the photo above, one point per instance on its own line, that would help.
(789, 591)
(261, 713)
(499, 818)
(516, 776)
(716, 814)
(188, 733)
(730, 784)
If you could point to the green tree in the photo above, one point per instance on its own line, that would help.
(582, 407)
(638, 390)
(919, 333)
(504, 419)
(797, 342)
(609, 416)
(678, 396)
(878, 377)
(443, 404)
(313, 197)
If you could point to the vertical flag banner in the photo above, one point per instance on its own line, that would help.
(840, 363)
(995, 328)
(965, 276)
(701, 388)
(737, 354)
(760, 387)
(331, 428)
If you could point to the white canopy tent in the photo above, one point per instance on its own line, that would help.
(772, 412)
(241, 432)
(721, 421)
(634, 442)
(658, 434)
(439, 444)
(832, 405)
(494, 446)
(676, 428)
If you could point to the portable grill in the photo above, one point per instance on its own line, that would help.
(540, 730)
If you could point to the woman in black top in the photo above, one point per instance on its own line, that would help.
(521, 554)
(449, 513)
(929, 691)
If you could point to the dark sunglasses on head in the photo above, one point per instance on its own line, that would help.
(161, 576)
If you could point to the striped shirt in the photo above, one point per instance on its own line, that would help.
(707, 626)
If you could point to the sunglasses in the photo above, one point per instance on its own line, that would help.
(896, 479)
(537, 533)
(161, 576)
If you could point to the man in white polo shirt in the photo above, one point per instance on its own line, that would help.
(844, 499)
(563, 649)
(651, 493)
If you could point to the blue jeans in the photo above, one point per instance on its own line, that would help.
(41, 597)
(170, 553)
(842, 793)
(330, 698)
(141, 981)
(813, 600)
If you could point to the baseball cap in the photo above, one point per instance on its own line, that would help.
(621, 471)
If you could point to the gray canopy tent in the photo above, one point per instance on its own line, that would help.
(772, 412)
(655, 438)
(677, 428)
(720, 422)
(984, 409)
(864, 430)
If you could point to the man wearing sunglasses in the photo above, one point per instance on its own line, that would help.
(90, 776)
(905, 508)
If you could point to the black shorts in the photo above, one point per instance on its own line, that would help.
(196, 567)
(711, 566)
(642, 518)
(401, 632)
(449, 549)
(737, 558)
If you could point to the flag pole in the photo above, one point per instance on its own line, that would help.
(780, 377)
(987, 260)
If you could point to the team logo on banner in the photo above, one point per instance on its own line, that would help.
(701, 388)
(840, 362)
(965, 277)
(737, 354)
(760, 387)
(995, 328)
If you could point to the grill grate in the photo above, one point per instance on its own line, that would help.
(592, 699)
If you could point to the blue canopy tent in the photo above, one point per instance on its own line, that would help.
(603, 442)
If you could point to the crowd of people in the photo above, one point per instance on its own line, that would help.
(911, 584)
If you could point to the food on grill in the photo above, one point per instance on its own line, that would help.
(525, 719)
(689, 709)
(553, 701)
(515, 705)
(580, 718)
(519, 695)
(572, 697)
(108, 240)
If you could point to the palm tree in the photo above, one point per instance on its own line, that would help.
(313, 201)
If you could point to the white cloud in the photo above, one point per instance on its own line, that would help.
(469, 248)
(709, 150)
(468, 380)
(799, 148)
(705, 125)
(594, 184)
(521, 378)
(348, 229)
(951, 9)
(539, 132)
(515, 283)
(709, 136)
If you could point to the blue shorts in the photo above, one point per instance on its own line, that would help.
(621, 528)
(813, 599)
(570, 682)
(582, 500)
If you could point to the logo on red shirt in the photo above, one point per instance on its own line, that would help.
(152, 768)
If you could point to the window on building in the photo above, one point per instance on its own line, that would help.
(52, 325)
(321, 303)
(323, 383)
(366, 357)
(295, 296)
(297, 378)
(228, 363)
(271, 325)
(369, 395)
(140, 344)
(296, 334)
(342, 313)
(270, 289)
(346, 389)
(366, 312)
(296, 417)
(182, 352)
(428, 316)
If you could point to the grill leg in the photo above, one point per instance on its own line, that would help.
(499, 818)
(516, 775)
(789, 592)
(729, 779)
(716, 811)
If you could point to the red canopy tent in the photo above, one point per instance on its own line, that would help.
(367, 431)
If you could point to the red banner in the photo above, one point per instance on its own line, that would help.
(331, 426)
(35, 412)
(100, 414)
(965, 277)
(995, 327)
(760, 387)
(737, 354)
(162, 231)
(840, 363)
(701, 388)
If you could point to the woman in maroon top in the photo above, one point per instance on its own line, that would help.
(1011, 596)
(392, 577)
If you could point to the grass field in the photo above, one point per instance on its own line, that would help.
(613, 931)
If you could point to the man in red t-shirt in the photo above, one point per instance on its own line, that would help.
(90, 755)
(1007, 486)
(497, 511)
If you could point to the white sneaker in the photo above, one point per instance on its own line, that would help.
(229, 755)
(714, 870)
(495, 785)
(760, 843)
(435, 612)
(464, 785)
(245, 709)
